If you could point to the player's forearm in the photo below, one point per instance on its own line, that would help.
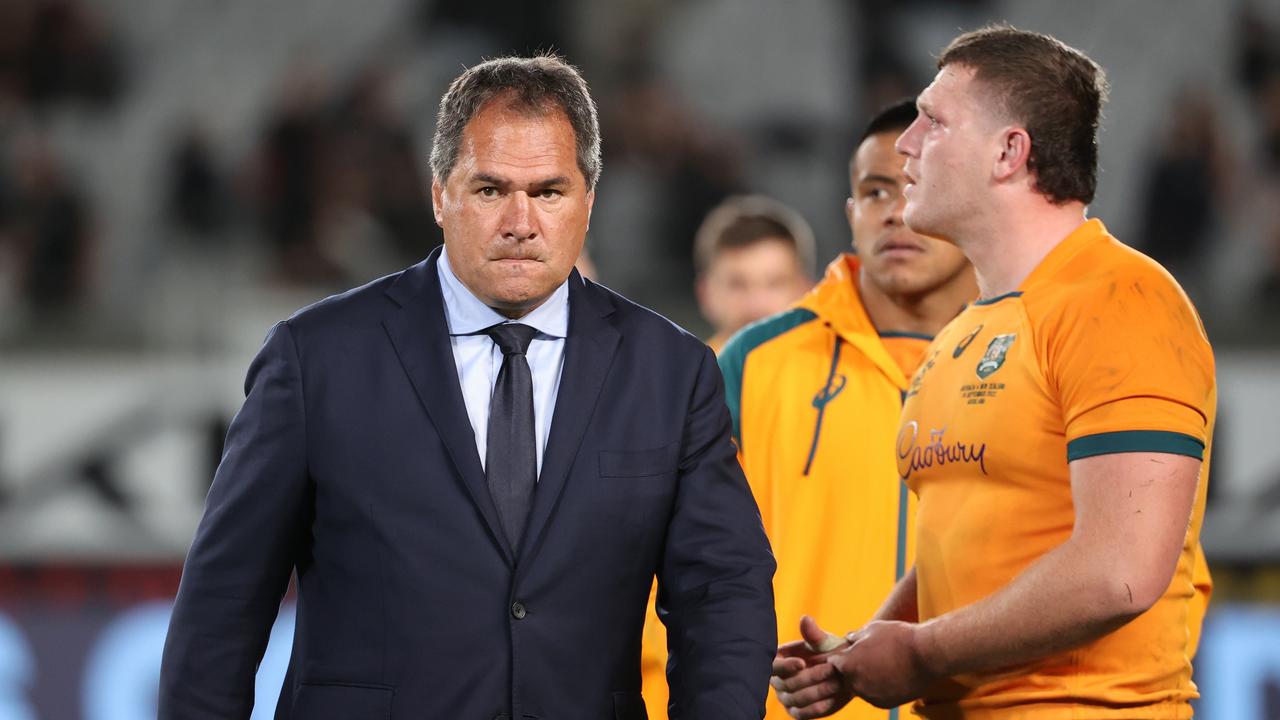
(901, 604)
(1069, 597)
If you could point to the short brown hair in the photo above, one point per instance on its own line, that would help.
(1054, 90)
(744, 220)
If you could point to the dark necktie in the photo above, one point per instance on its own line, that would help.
(511, 456)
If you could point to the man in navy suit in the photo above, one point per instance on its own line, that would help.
(477, 466)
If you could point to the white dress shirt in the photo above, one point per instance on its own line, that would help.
(478, 358)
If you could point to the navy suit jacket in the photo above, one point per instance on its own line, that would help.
(352, 463)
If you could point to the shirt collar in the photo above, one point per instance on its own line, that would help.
(467, 315)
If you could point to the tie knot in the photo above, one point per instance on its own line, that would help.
(512, 338)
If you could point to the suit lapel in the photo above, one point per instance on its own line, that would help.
(421, 338)
(588, 354)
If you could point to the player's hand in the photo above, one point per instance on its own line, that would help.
(884, 664)
(806, 683)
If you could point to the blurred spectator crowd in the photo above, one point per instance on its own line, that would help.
(54, 56)
(1200, 172)
(1258, 72)
(333, 188)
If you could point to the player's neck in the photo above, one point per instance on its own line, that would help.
(924, 313)
(1012, 246)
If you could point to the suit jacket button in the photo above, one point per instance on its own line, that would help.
(518, 610)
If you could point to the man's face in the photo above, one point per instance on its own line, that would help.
(949, 154)
(895, 259)
(749, 283)
(515, 207)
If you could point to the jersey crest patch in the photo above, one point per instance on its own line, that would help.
(994, 357)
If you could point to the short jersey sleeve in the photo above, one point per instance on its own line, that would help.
(1131, 366)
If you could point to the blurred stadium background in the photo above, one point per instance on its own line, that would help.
(176, 176)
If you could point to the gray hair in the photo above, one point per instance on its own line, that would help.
(534, 84)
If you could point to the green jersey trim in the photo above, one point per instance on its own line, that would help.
(998, 298)
(1161, 441)
(733, 357)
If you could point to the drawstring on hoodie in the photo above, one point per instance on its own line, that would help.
(824, 396)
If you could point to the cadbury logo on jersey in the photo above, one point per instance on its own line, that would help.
(994, 357)
(936, 451)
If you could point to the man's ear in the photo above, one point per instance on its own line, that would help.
(437, 201)
(849, 203)
(1015, 153)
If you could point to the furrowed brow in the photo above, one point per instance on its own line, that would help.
(482, 178)
(554, 182)
(487, 179)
